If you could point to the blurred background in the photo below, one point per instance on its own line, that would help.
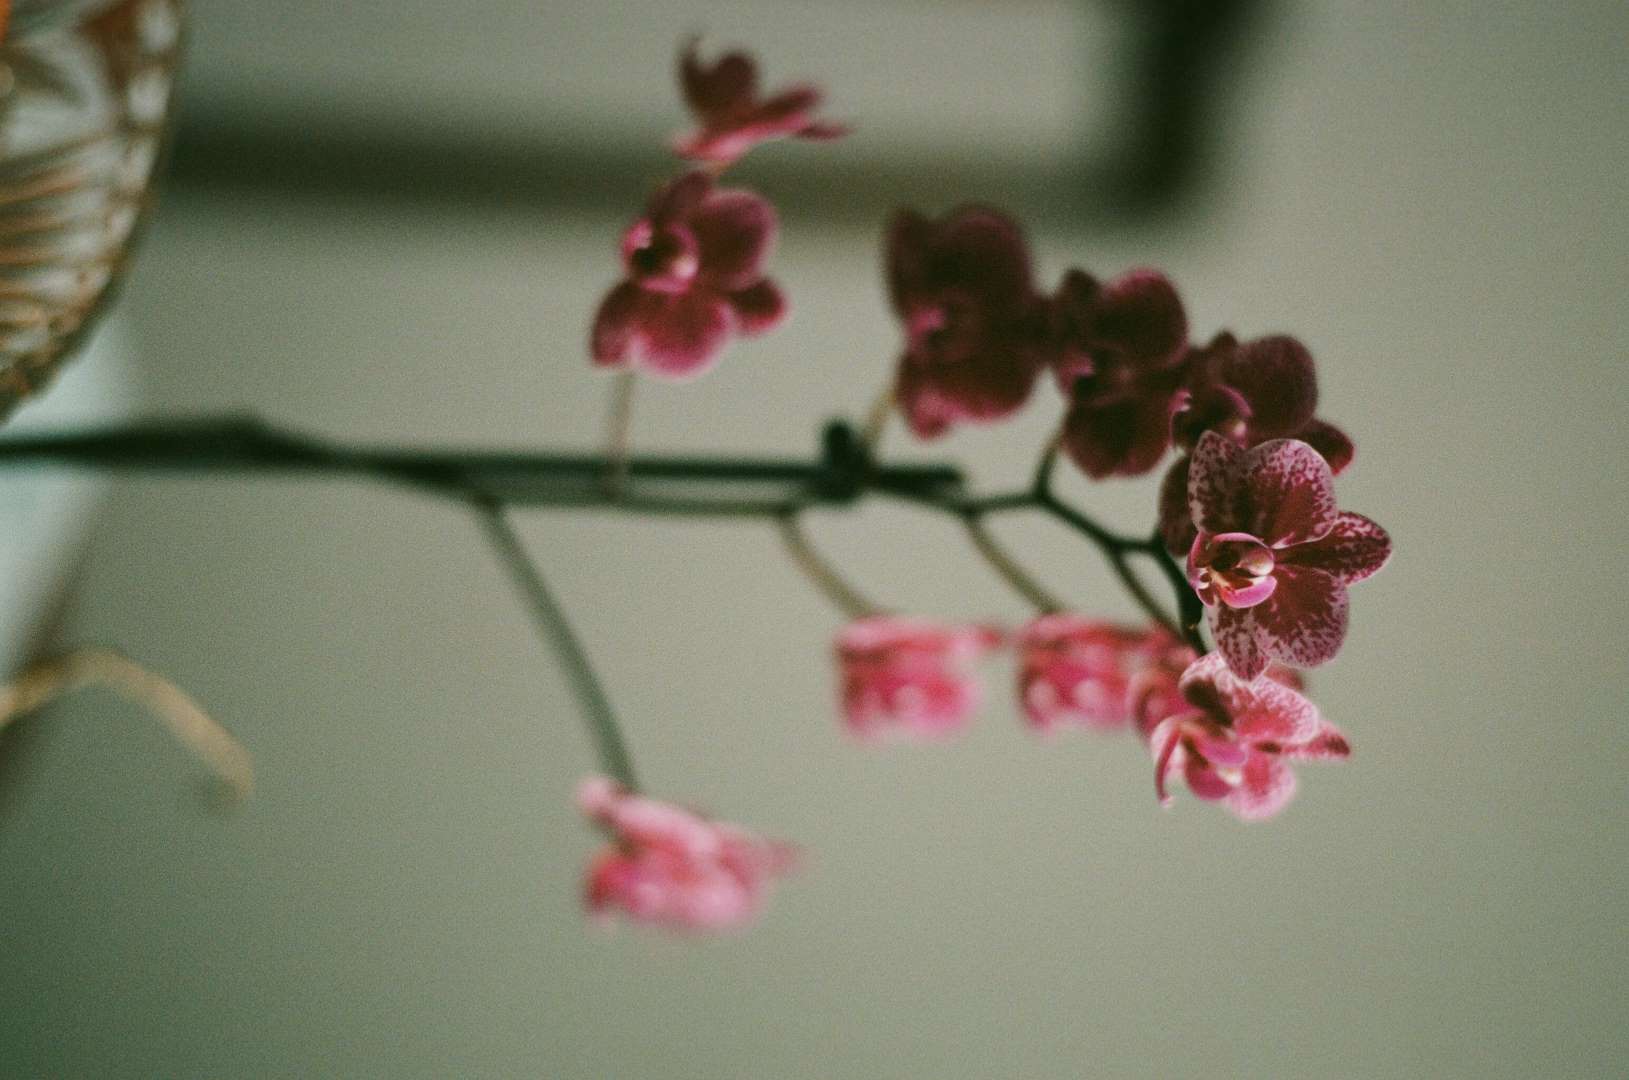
(391, 222)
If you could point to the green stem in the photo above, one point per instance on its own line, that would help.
(556, 629)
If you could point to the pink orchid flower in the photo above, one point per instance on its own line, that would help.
(909, 676)
(1263, 389)
(694, 275)
(1272, 556)
(1120, 350)
(1234, 739)
(732, 118)
(975, 328)
(1088, 673)
(672, 868)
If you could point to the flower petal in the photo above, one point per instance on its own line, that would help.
(1304, 622)
(1290, 492)
(683, 334)
(1213, 484)
(1356, 548)
(678, 198)
(1266, 787)
(1236, 639)
(729, 81)
(758, 308)
(1123, 437)
(615, 325)
(1175, 522)
(1330, 441)
(734, 231)
(1139, 314)
(1327, 743)
(989, 385)
(1204, 781)
(1277, 377)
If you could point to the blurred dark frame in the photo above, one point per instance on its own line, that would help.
(1187, 56)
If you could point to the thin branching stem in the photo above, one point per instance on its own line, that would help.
(709, 487)
(1007, 568)
(557, 631)
(619, 431)
(821, 573)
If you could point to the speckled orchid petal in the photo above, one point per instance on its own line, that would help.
(1266, 785)
(1304, 622)
(1290, 493)
(1327, 743)
(1235, 632)
(1356, 548)
(1260, 709)
(712, 89)
(1215, 493)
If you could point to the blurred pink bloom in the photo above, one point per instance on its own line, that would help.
(975, 328)
(909, 676)
(1232, 740)
(672, 868)
(694, 275)
(1080, 672)
(1272, 556)
(1263, 389)
(1119, 361)
(732, 118)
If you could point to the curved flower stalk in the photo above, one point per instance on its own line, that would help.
(47, 680)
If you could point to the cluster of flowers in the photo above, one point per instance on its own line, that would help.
(1249, 500)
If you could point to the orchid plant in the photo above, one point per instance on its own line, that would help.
(1248, 502)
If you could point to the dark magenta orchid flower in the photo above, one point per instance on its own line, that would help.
(670, 867)
(1232, 739)
(1272, 556)
(910, 677)
(1079, 672)
(975, 328)
(693, 269)
(1119, 361)
(731, 118)
(1251, 392)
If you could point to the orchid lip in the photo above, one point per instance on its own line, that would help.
(665, 260)
(1234, 568)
